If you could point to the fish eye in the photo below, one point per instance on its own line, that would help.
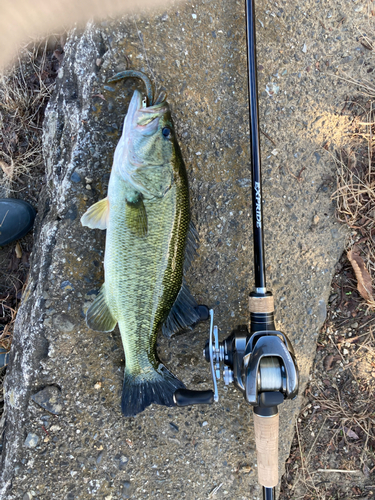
(166, 132)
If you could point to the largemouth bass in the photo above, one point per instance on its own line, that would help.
(149, 242)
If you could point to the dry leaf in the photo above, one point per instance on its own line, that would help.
(330, 361)
(18, 250)
(7, 169)
(350, 433)
(364, 285)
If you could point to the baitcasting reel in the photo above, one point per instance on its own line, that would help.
(262, 365)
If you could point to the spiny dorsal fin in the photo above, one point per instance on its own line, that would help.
(183, 313)
(136, 217)
(192, 245)
(97, 215)
(98, 316)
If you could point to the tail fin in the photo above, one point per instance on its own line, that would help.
(140, 391)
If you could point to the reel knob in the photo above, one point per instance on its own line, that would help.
(212, 353)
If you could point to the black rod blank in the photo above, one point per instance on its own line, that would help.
(269, 493)
(259, 266)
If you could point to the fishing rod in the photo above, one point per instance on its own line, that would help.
(260, 362)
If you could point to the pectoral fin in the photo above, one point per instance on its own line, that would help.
(97, 215)
(98, 316)
(136, 217)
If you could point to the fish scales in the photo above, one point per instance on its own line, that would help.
(145, 274)
(147, 218)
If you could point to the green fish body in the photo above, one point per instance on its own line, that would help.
(149, 241)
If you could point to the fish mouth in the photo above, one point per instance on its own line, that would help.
(146, 115)
(144, 119)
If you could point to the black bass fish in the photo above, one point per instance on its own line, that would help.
(150, 240)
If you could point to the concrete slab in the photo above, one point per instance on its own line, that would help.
(196, 52)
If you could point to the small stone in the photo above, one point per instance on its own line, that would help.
(126, 489)
(164, 17)
(75, 177)
(272, 89)
(316, 219)
(322, 310)
(317, 156)
(50, 399)
(99, 457)
(66, 285)
(98, 385)
(204, 424)
(304, 48)
(88, 187)
(31, 440)
(63, 322)
(27, 496)
(123, 462)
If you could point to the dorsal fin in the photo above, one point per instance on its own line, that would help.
(192, 245)
(183, 313)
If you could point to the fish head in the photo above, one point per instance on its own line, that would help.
(145, 153)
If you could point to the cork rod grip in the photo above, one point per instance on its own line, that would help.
(267, 444)
(261, 304)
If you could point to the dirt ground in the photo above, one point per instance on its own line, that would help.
(332, 455)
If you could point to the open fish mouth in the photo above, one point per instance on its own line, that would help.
(147, 115)
(143, 112)
(144, 120)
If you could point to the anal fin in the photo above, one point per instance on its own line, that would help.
(98, 316)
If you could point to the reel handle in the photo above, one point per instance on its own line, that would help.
(185, 397)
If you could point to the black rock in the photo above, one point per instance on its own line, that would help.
(50, 399)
